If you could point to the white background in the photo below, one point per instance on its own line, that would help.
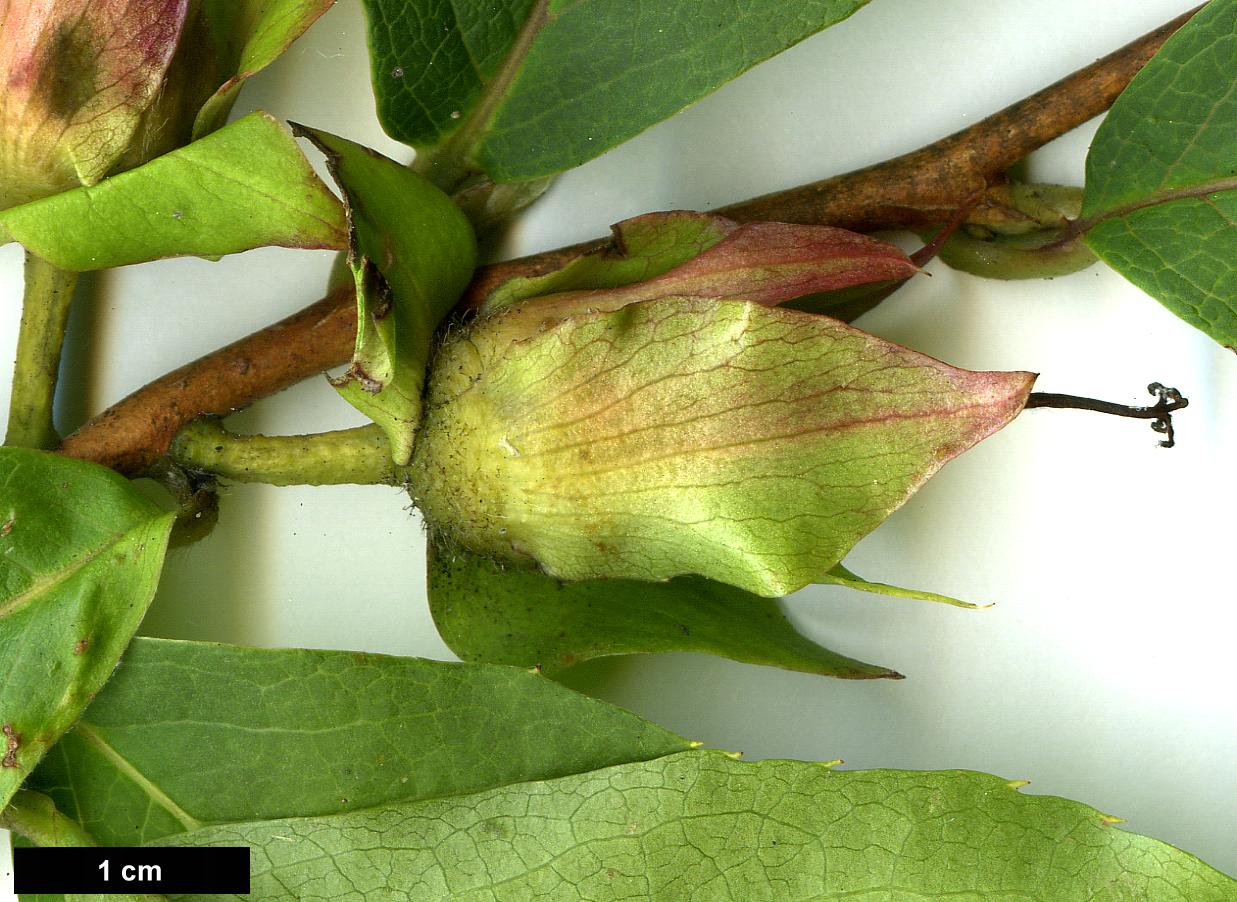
(1103, 673)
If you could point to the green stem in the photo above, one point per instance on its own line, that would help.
(34, 816)
(44, 315)
(358, 456)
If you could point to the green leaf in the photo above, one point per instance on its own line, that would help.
(540, 86)
(747, 444)
(80, 554)
(412, 253)
(640, 248)
(249, 35)
(78, 77)
(701, 825)
(244, 186)
(190, 733)
(521, 616)
(1161, 193)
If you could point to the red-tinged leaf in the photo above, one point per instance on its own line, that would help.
(748, 444)
(640, 248)
(772, 262)
(77, 77)
(763, 262)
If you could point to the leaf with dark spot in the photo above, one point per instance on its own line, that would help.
(82, 557)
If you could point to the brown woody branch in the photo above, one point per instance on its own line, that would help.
(131, 435)
(919, 189)
(922, 188)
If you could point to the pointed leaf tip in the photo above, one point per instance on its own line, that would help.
(700, 825)
(840, 576)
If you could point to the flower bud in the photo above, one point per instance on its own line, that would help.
(78, 77)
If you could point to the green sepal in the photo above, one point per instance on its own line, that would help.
(519, 615)
(247, 36)
(412, 253)
(840, 576)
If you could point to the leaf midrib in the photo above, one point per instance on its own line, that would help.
(1216, 186)
(463, 142)
(135, 776)
(62, 575)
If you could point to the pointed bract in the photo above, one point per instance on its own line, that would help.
(248, 35)
(764, 262)
(767, 263)
(411, 253)
(747, 444)
(639, 248)
(518, 615)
